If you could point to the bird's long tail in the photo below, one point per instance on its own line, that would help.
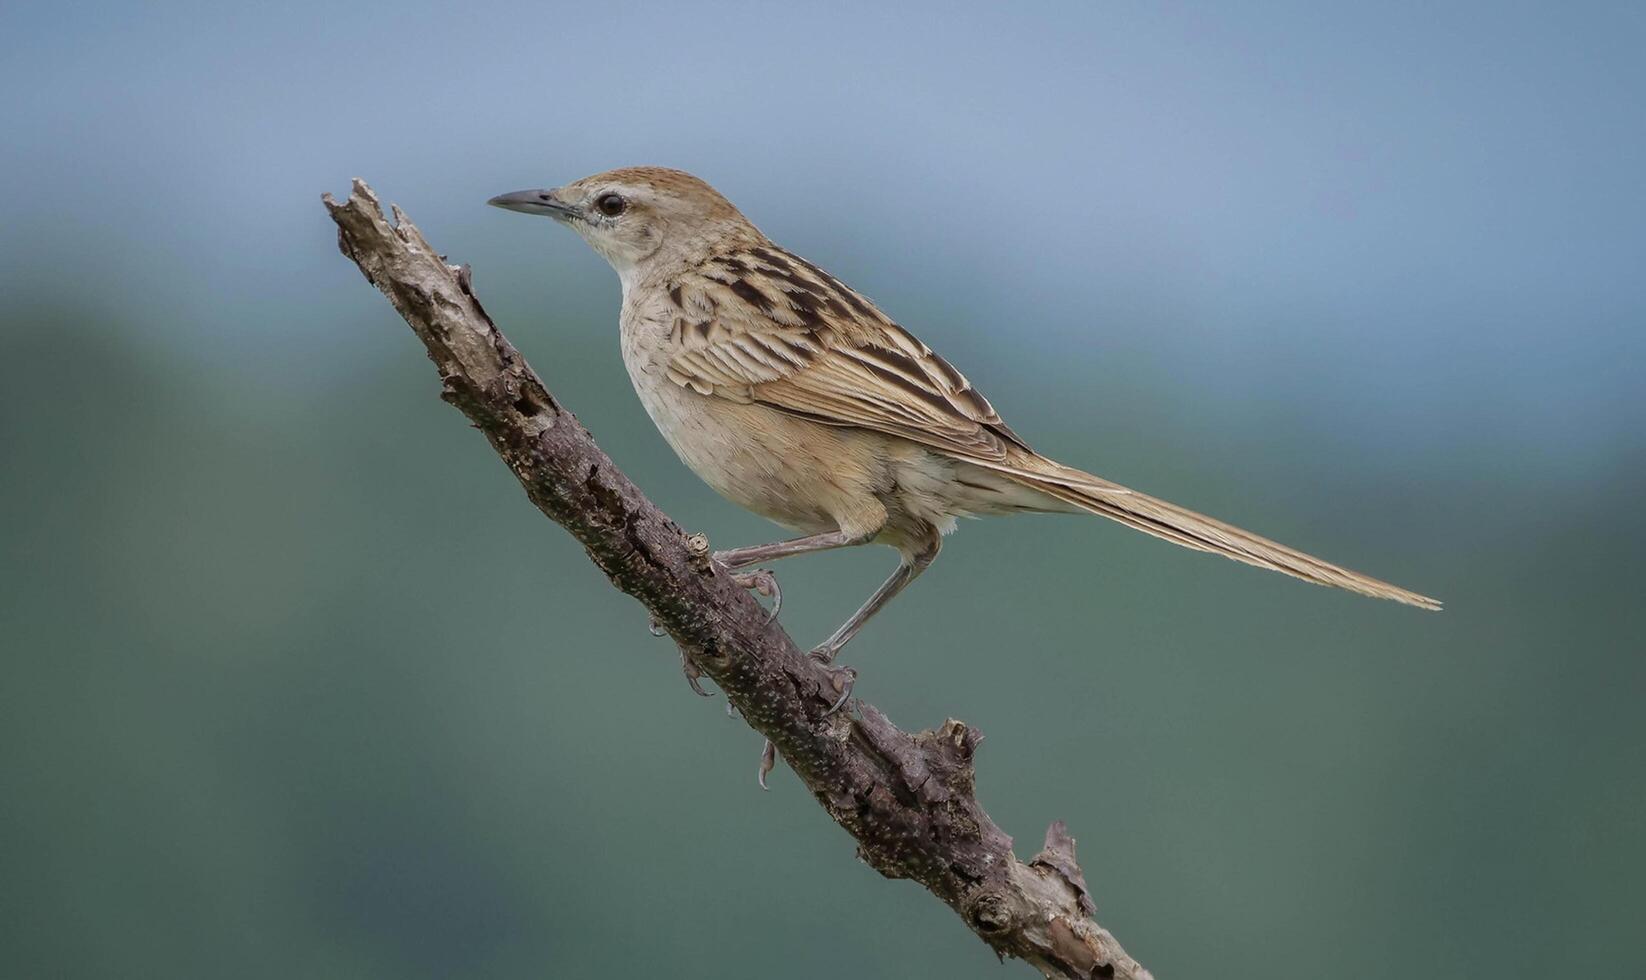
(1181, 526)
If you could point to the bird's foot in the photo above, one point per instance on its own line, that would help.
(763, 582)
(693, 672)
(841, 678)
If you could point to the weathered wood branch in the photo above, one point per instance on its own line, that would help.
(907, 799)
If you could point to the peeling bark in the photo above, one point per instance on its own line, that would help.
(908, 800)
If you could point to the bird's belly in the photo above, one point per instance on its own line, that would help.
(802, 475)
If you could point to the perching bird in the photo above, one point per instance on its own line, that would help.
(794, 396)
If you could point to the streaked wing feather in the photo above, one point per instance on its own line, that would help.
(768, 327)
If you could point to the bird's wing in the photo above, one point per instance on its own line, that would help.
(768, 327)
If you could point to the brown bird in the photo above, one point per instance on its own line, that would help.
(792, 395)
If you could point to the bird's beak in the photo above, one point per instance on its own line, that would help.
(535, 202)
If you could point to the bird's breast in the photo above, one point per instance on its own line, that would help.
(798, 473)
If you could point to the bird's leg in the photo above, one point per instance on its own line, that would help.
(763, 581)
(907, 571)
(824, 653)
(843, 677)
(754, 554)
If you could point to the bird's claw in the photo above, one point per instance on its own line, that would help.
(693, 672)
(761, 581)
(842, 678)
(768, 761)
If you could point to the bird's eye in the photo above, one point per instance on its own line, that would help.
(611, 205)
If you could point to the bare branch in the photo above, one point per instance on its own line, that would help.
(907, 799)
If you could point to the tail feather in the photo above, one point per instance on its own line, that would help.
(1191, 530)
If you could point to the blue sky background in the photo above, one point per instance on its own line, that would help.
(301, 686)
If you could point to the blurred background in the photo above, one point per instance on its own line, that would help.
(299, 685)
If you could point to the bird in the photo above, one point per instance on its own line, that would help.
(792, 395)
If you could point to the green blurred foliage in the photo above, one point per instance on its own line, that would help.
(304, 687)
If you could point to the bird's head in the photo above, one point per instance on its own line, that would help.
(639, 217)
